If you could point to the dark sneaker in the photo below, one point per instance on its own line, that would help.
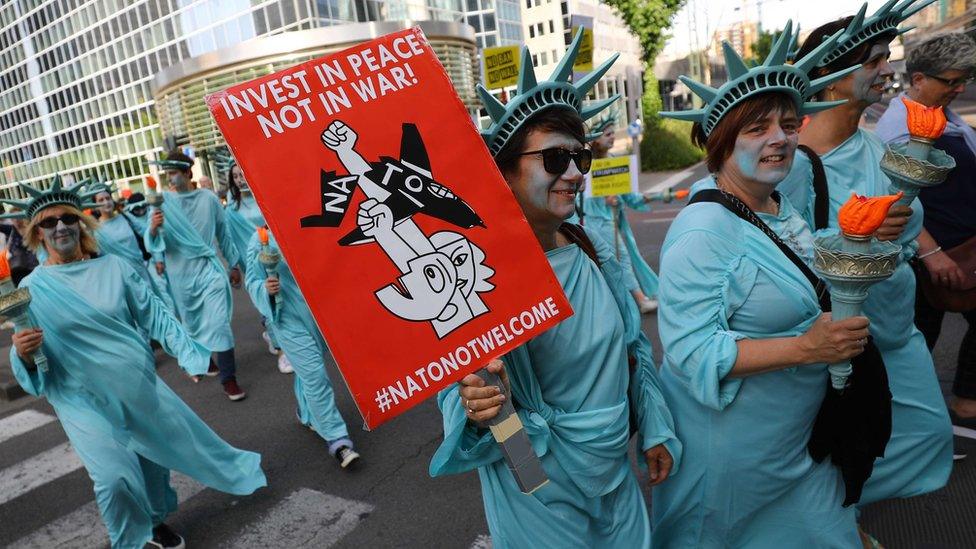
(212, 371)
(958, 454)
(165, 538)
(346, 456)
(233, 390)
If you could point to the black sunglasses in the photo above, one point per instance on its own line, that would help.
(952, 83)
(52, 222)
(556, 159)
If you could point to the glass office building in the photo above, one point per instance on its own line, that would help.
(495, 22)
(179, 90)
(77, 77)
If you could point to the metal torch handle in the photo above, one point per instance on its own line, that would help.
(23, 322)
(841, 372)
(272, 272)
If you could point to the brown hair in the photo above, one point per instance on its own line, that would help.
(558, 120)
(721, 142)
(89, 246)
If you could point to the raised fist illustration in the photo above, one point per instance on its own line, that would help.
(338, 136)
(373, 217)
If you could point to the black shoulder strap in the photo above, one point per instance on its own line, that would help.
(575, 234)
(821, 196)
(740, 209)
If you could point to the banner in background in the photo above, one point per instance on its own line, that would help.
(584, 61)
(612, 176)
(500, 66)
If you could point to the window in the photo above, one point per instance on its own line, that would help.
(539, 29)
(552, 26)
(531, 32)
(544, 58)
(528, 4)
(535, 59)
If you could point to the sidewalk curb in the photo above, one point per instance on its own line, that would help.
(675, 179)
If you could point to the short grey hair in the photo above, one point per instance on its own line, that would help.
(944, 52)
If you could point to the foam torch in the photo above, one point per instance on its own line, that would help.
(269, 259)
(667, 196)
(853, 261)
(13, 305)
(155, 201)
(916, 165)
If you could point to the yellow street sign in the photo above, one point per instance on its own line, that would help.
(501, 66)
(612, 176)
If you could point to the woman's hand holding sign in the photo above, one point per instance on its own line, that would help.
(483, 403)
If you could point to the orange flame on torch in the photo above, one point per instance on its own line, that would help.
(263, 236)
(683, 193)
(151, 182)
(924, 122)
(4, 266)
(861, 216)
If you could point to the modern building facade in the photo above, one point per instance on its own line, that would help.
(547, 30)
(179, 90)
(495, 22)
(76, 76)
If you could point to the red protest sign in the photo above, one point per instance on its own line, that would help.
(411, 251)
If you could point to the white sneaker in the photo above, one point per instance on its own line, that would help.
(284, 365)
(647, 306)
(346, 456)
(267, 339)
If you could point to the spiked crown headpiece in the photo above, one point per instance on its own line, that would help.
(533, 96)
(174, 161)
(771, 76)
(601, 124)
(884, 21)
(95, 187)
(74, 195)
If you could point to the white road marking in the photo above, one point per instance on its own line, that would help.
(83, 528)
(668, 219)
(22, 422)
(482, 542)
(675, 179)
(306, 518)
(38, 470)
(964, 432)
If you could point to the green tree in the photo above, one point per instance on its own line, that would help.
(761, 47)
(663, 146)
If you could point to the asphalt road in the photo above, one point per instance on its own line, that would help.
(390, 501)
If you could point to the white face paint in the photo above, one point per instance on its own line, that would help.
(764, 150)
(545, 198)
(63, 239)
(239, 178)
(105, 203)
(868, 82)
(178, 180)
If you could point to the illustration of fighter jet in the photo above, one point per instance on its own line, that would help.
(412, 189)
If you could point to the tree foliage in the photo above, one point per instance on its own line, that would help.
(649, 21)
(761, 47)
